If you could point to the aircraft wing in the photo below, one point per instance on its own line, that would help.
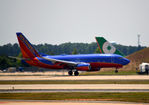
(68, 63)
(61, 61)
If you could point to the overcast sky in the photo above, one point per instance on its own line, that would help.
(60, 21)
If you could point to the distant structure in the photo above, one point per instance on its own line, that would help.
(113, 43)
(139, 41)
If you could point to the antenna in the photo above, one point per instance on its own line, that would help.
(139, 41)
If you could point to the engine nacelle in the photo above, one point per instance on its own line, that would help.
(86, 67)
(83, 67)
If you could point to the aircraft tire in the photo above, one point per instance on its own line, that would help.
(147, 72)
(116, 71)
(70, 72)
(76, 73)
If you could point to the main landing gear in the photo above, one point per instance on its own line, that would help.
(70, 73)
(116, 71)
(76, 73)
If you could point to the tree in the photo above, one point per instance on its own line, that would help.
(74, 51)
(97, 50)
(21, 63)
(6, 62)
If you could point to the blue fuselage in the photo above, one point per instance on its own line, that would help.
(95, 60)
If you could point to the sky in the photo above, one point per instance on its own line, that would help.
(61, 21)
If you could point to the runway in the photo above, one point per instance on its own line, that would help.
(75, 88)
(54, 102)
(49, 88)
(100, 77)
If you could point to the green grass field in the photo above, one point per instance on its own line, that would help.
(76, 82)
(127, 97)
(111, 72)
(101, 72)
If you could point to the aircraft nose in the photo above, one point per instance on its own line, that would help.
(126, 61)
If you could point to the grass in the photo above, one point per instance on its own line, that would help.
(107, 71)
(110, 72)
(75, 82)
(127, 97)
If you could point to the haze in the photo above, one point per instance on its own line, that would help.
(60, 21)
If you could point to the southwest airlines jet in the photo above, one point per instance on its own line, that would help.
(73, 63)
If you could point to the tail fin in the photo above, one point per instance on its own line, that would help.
(106, 47)
(28, 51)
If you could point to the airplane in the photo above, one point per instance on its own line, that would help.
(72, 63)
(105, 47)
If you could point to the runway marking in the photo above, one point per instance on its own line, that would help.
(85, 102)
(71, 90)
(76, 86)
(100, 77)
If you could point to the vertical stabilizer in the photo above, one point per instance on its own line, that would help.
(28, 51)
(105, 47)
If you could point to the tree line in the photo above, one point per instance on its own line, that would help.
(65, 48)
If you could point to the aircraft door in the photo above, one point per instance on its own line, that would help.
(112, 59)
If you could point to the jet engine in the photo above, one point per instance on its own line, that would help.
(86, 67)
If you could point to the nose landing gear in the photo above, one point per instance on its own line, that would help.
(116, 71)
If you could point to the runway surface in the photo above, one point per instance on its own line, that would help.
(107, 77)
(75, 88)
(47, 102)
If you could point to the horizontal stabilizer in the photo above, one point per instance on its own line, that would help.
(26, 59)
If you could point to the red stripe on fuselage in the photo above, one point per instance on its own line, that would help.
(105, 65)
(83, 68)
